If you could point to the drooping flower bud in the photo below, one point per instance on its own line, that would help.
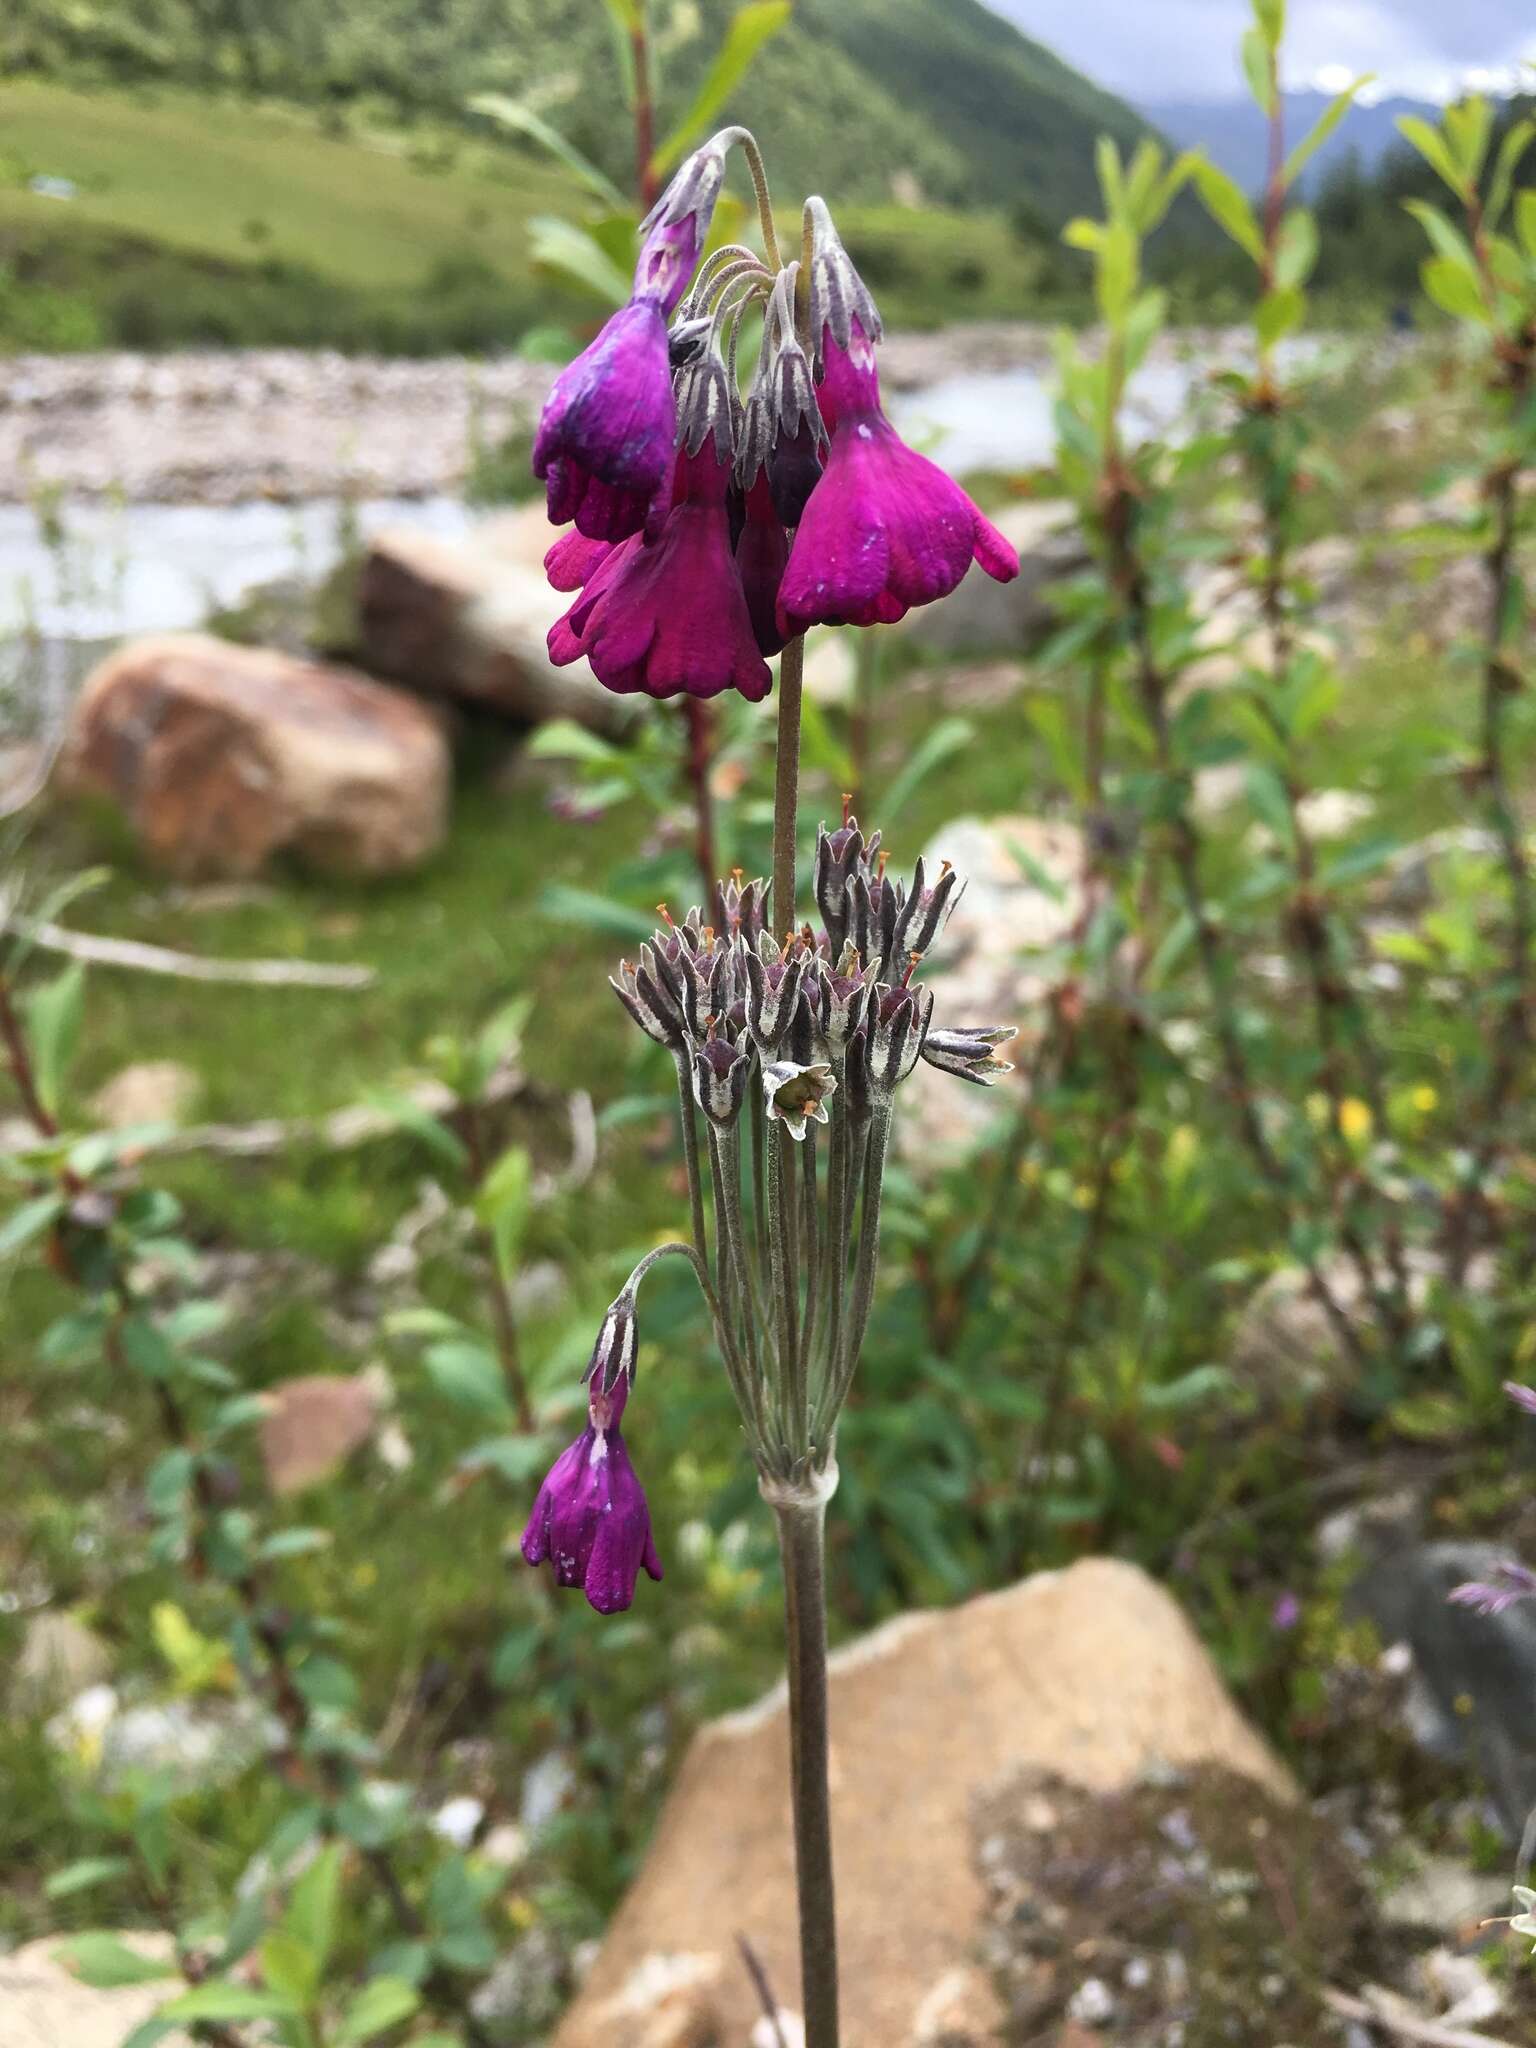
(720, 1070)
(613, 1355)
(649, 1000)
(590, 1519)
(773, 988)
(839, 296)
(675, 230)
(969, 1052)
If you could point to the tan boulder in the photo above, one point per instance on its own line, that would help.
(467, 619)
(314, 1423)
(147, 1092)
(983, 616)
(223, 756)
(44, 2005)
(1090, 1673)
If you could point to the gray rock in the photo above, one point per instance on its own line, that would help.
(526, 1989)
(1444, 1894)
(195, 1745)
(1475, 1674)
(987, 617)
(44, 2005)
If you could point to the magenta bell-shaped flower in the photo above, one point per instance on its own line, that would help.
(604, 446)
(762, 549)
(884, 529)
(669, 616)
(590, 1519)
(573, 560)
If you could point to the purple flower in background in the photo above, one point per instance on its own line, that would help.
(590, 1519)
(1285, 1613)
(1510, 1582)
(669, 616)
(1523, 1397)
(884, 529)
(604, 445)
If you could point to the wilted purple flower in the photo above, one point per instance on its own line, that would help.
(884, 529)
(1523, 1397)
(590, 1518)
(670, 617)
(1511, 1582)
(605, 439)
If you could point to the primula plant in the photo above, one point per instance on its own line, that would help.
(710, 530)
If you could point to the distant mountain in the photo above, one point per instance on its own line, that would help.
(1235, 134)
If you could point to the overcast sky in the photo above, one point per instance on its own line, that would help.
(1186, 49)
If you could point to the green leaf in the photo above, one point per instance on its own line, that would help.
(1269, 15)
(468, 1373)
(311, 1914)
(420, 1123)
(292, 1543)
(1448, 240)
(514, 1652)
(520, 120)
(228, 2002)
(564, 740)
(1280, 313)
(1296, 251)
(1084, 234)
(504, 1202)
(514, 1458)
(382, 2003)
(1525, 221)
(289, 1968)
(1227, 205)
(326, 1682)
(561, 246)
(750, 28)
(145, 1348)
(29, 1221)
(49, 911)
(1431, 145)
(53, 1013)
(81, 1876)
(562, 904)
(1455, 290)
(1256, 52)
(1324, 126)
(1117, 272)
(1516, 142)
(106, 1963)
(151, 2032)
(1468, 125)
(945, 739)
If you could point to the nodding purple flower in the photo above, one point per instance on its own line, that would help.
(884, 529)
(670, 616)
(1523, 1397)
(590, 1519)
(604, 446)
(574, 560)
(1511, 1582)
(761, 553)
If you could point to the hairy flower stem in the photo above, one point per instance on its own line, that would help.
(802, 1547)
(689, 1118)
(786, 783)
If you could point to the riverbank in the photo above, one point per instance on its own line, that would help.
(288, 425)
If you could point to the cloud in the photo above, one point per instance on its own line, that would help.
(1187, 49)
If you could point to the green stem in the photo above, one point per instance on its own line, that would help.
(802, 1546)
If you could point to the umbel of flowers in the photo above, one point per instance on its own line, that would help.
(789, 1054)
(711, 528)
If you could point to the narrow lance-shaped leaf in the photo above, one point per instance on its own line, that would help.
(1431, 145)
(1324, 126)
(561, 246)
(751, 27)
(1229, 207)
(520, 120)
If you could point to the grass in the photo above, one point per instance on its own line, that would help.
(247, 181)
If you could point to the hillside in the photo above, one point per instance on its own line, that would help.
(865, 99)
